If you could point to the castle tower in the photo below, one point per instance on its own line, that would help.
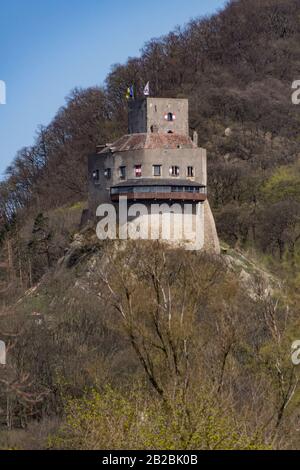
(154, 167)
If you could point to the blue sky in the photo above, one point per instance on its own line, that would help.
(48, 47)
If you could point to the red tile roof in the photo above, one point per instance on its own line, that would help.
(149, 141)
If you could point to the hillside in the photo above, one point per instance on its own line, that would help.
(191, 350)
(92, 325)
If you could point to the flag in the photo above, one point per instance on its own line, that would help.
(130, 92)
(147, 89)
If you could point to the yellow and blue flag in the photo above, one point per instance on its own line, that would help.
(130, 93)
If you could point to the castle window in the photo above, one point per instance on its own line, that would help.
(170, 117)
(96, 175)
(138, 171)
(107, 173)
(190, 172)
(174, 171)
(123, 172)
(191, 189)
(156, 170)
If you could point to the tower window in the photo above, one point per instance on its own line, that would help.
(138, 171)
(174, 171)
(190, 172)
(156, 170)
(96, 175)
(170, 117)
(123, 172)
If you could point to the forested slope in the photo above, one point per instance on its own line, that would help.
(219, 354)
(237, 68)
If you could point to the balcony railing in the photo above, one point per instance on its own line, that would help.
(183, 193)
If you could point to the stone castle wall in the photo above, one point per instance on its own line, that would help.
(150, 115)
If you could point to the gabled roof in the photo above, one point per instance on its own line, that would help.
(149, 141)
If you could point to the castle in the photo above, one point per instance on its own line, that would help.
(156, 164)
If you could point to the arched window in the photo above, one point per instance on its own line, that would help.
(170, 117)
